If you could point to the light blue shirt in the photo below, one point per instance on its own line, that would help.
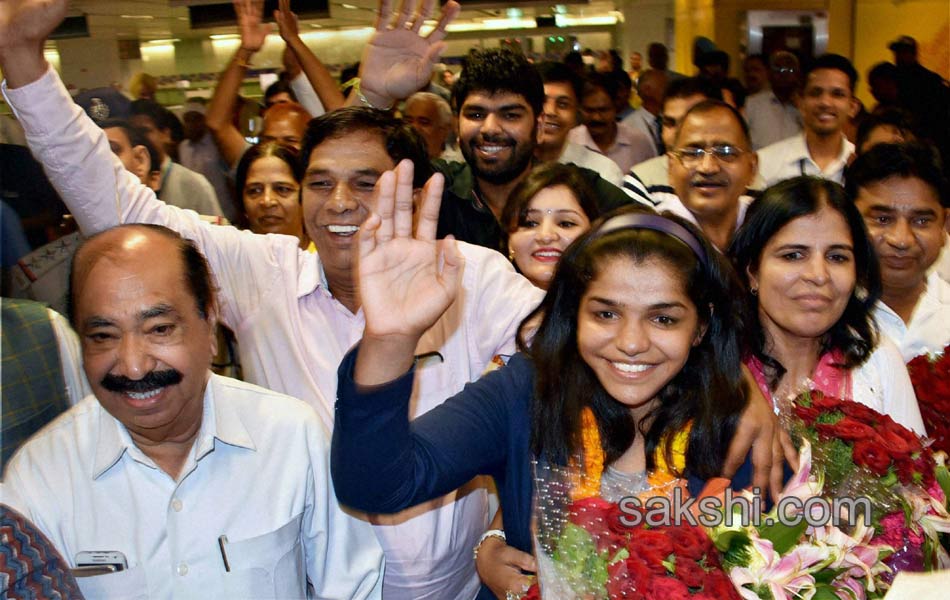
(258, 473)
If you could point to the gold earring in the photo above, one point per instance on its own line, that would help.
(511, 254)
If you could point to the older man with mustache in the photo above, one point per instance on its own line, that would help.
(711, 166)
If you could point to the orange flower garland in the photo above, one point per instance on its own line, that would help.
(588, 484)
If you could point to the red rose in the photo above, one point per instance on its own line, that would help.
(689, 541)
(533, 593)
(846, 429)
(871, 456)
(825, 403)
(808, 414)
(689, 572)
(656, 539)
(667, 588)
(719, 586)
(616, 517)
(628, 579)
(899, 443)
(590, 513)
(860, 412)
(652, 546)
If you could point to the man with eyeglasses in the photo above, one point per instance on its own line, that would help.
(711, 166)
(681, 95)
(773, 114)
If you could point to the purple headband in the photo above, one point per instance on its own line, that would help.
(655, 223)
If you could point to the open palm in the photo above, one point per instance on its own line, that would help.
(286, 21)
(250, 23)
(398, 61)
(405, 282)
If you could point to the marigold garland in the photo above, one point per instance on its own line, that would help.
(588, 484)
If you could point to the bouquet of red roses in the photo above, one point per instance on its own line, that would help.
(930, 375)
(594, 549)
(862, 454)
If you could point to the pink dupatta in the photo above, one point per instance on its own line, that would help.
(828, 378)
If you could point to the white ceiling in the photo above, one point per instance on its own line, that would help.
(162, 19)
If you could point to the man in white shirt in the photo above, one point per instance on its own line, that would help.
(296, 314)
(711, 166)
(772, 113)
(560, 114)
(601, 132)
(827, 105)
(681, 95)
(198, 485)
(903, 196)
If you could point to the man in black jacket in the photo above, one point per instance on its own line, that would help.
(499, 101)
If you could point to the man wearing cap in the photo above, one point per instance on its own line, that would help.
(199, 153)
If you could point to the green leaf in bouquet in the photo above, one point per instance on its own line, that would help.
(827, 575)
(943, 479)
(622, 554)
(825, 591)
(738, 554)
(726, 538)
(577, 557)
(783, 536)
(831, 418)
(889, 479)
(837, 462)
(763, 592)
(670, 563)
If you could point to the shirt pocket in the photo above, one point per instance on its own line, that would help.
(270, 565)
(128, 584)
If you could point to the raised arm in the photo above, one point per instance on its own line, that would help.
(253, 33)
(320, 79)
(398, 61)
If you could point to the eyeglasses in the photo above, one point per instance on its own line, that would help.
(784, 70)
(723, 153)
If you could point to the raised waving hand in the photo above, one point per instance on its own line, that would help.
(398, 61)
(405, 282)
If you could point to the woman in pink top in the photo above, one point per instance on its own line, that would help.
(812, 280)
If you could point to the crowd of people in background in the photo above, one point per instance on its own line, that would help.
(378, 241)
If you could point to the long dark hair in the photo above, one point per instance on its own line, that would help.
(709, 390)
(854, 334)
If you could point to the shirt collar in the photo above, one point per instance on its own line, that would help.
(798, 150)
(938, 290)
(463, 184)
(311, 275)
(219, 420)
(625, 136)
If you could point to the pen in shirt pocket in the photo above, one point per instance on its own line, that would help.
(222, 540)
